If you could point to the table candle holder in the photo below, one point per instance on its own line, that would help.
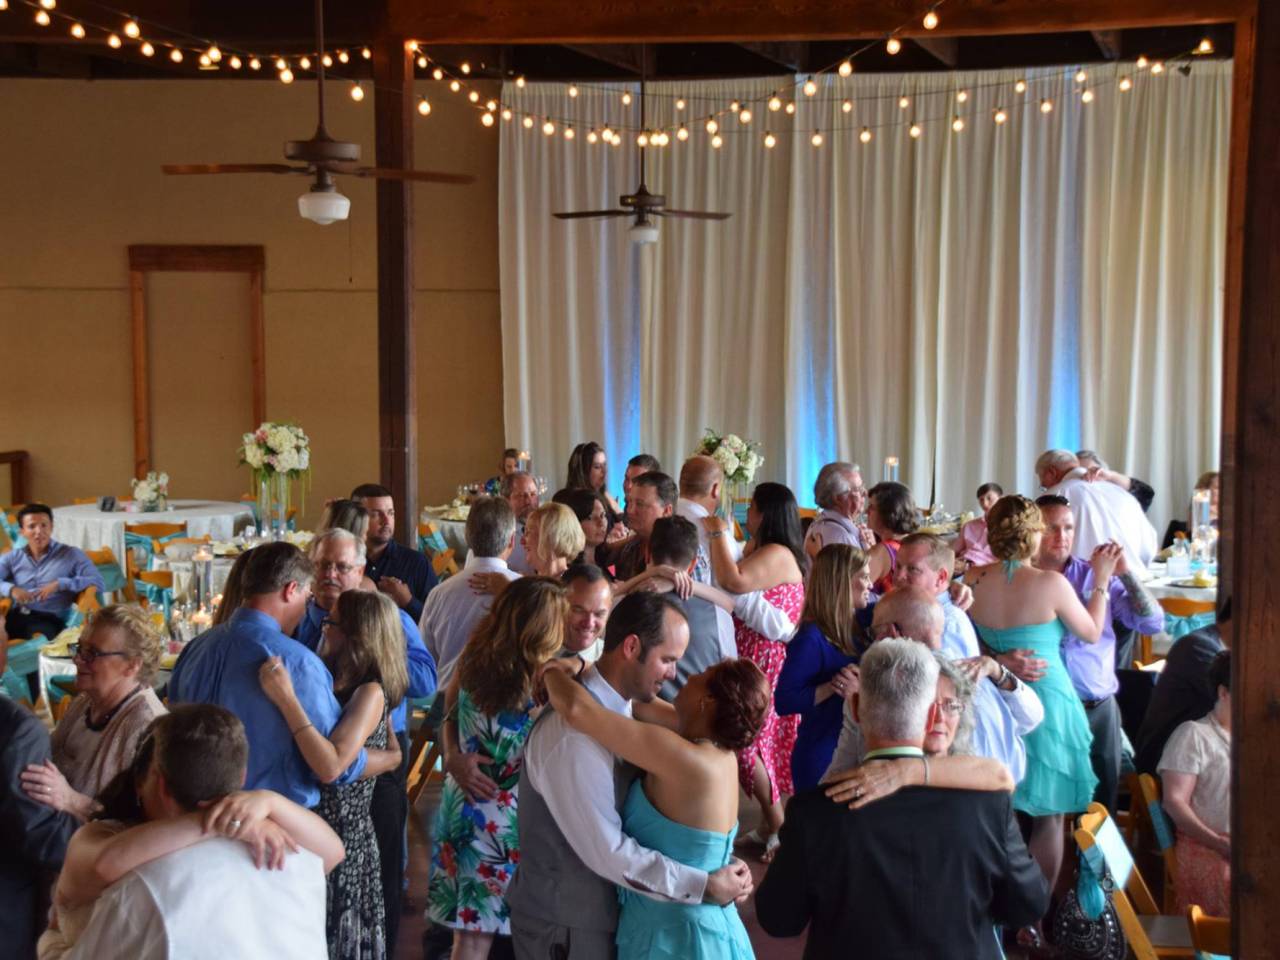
(890, 474)
(202, 575)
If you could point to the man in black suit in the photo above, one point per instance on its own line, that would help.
(926, 872)
(33, 837)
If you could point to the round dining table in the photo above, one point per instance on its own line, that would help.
(85, 526)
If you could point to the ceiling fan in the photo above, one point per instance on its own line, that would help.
(321, 157)
(642, 204)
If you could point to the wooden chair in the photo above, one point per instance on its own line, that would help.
(1156, 832)
(431, 542)
(1211, 936)
(113, 579)
(62, 690)
(1150, 934)
(181, 546)
(424, 754)
(140, 543)
(1174, 607)
(156, 586)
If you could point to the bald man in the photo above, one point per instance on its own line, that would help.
(701, 480)
(1005, 708)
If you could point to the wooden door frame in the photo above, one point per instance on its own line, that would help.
(188, 258)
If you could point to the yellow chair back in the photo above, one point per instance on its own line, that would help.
(1209, 934)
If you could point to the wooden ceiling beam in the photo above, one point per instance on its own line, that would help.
(630, 21)
(1108, 42)
(946, 50)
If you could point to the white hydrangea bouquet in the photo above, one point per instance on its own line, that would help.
(277, 454)
(151, 493)
(740, 459)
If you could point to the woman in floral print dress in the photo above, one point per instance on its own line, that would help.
(489, 712)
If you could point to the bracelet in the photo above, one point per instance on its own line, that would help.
(294, 733)
(925, 761)
(717, 533)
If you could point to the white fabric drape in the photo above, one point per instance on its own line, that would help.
(960, 300)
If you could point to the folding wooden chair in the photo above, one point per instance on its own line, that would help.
(431, 542)
(140, 540)
(1154, 828)
(424, 754)
(1211, 936)
(1150, 933)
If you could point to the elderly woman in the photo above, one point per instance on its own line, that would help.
(1195, 772)
(891, 514)
(116, 660)
(842, 497)
(552, 539)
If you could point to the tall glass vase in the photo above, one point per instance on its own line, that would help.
(264, 505)
(279, 505)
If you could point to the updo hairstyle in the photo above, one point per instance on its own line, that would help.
(1012, 526)
(741, 694)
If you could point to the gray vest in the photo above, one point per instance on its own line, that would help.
(704, 644)
(552, 885)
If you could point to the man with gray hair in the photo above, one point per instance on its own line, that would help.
(1104, 512)
(842, 497)
(1097, 469)
(867, 876)
(520, 490)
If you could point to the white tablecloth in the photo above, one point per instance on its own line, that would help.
(455, 535)
(1160, 585)
(183, 577)
(87, 527)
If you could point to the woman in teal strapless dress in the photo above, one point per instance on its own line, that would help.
(1017, 607)
(686, 804)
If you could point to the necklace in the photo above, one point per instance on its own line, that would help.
(102, 724)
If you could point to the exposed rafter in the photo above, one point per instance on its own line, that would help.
(790, 54)
(946, 50)
(1108, 42)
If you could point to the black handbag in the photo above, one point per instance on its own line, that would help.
(1080, 937)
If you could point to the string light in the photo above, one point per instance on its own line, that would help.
(717, 142)
(735, 106)
(1020, 86)
(42, 18)
(1046, 105)
(810, 88)
(506, 113)
(286, 75)
(816, 139)
(568, 131)
(1081, 76)
(305, 63)
(1205, 46)
(176, 56)
(327, 61)
(424, 107)
(366, 53)
(904, 102)
(1142, 63)
(235, 62)
(845, 68)
(48, 4)
(914, 131)
(520, 82)
(1086, 96)
(1000, 116)
(147, 49)
(865, 135)
(592, 136)
(486, 119)
(114, 42)
(422, 63)
(281, 63)
(680, 104)
(255, 63)
(744, 115)
(77, 31)
(683, 133)
(957, 124)
(474, 96)
(437, 74)
(214, 54)
(1157, 68)
(411, 46)
(491, 105)
(791, 107)
(573, 90)
(455, 86)
(642, 140)
(1125, 84)
(205, 62)
(357, 92)
(930, 21)
(616, 141)
(893, 45)
(775, 103)
(626, 99)
(344, 57)
(770, 140)
(607, 134)
(962, 96)
(712, 126)
(132, 30)
(465, 67)
(847, 106)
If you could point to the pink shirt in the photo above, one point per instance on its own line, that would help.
(971, 545)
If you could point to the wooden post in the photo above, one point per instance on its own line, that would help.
(397, 388)
(141, 400)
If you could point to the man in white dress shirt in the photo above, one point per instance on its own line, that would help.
(1103, 511)
(453, 609)
(701, 479)
(842, 497)
(925, 561)
(573, 853)
(207, 901)
(590, 595)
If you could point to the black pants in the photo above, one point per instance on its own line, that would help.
(24, 626)
(390, 811)
(1104, 724)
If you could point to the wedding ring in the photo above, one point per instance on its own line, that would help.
(235, 825)
(857, 793)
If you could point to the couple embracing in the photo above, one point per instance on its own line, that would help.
(627, 827)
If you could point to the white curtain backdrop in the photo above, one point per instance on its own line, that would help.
(960, 300)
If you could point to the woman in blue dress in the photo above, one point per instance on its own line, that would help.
(820, 670)
(686, 804)
(1017, 607)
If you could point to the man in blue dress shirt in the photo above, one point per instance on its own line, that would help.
(221, 666)
(339, 560)
(402, 573)
(43, 578)
(926, 561)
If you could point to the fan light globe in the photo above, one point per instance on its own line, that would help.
(644, 232)
(324, 206)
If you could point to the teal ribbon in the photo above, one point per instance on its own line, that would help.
(1010, 567)
(1160, 823)
(1177, 627)
(113, 578)
(1093, 866)
(155, 595)
(144, 543)
(432, 543)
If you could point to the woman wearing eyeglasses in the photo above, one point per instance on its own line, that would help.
(116, 661)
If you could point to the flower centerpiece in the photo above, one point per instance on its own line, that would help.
(277, 454)
(151, 493)
(738, 458)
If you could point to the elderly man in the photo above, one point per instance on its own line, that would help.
(403, 574)
(1103, 512)
(926, 872)
(701, 479)
(652, 495)
(339, 561)
(842, 497)
(925, 561)
(1097, 469)
(1005, 709)
(43, 578)
(1091, 666)
(521, 493)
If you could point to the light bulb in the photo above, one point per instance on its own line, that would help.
(281, 63)
(1206, 46)
(1081, 76)
(962, 96)
(845, 68)
(1086, 97)
(607, 134)
(305, 63)
(816, 139)
(770, 140)
(810, 88)
(286, 75)
(957, 124)
(506, 113)
(424, 106)
(573, 91)
(324, 206)
(48, 4)
(1142, 63)
(893, 45)
(411, 46)
(735, 106)
(327, 61)
(716, 142)
(744, 115)
(680, 104)
(474, 96)
(616, 141)
(235, 62)
(548, 128)
(77, 31)
(42, 18)
(255, 63)
(486, 119)
(422, 63)
(366, 53)
(914, 131)
(847, 106)
(147, 49)
(491, 105)
(592, 136)
(791, 107)
(437, 74)
(132, 30)
(642, 140)
(528, 123)
(1157, 68)
(930, 21)
(455, 86)
(682, 134)
(465, 67)
(1046, 105)
(775, 103)
(214, 54)
(865, 135)
(712, 126)
(1020, 86)
(569, 133)
(1000, 116)
(344, 57)
(357, 93)
(520, 82)
(1125, 83)
(626, 99)
(644, 231)
(904, 102)
(205, 62)
(113, 41)
(176, 55)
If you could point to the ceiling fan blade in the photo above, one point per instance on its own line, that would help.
(186, 168)
(395, 173)
(593, 214)
(693, 214)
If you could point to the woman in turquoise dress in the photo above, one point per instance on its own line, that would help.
(475, 847)
(1017, 607)
(686, 804)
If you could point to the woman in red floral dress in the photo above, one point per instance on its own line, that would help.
(774, 563)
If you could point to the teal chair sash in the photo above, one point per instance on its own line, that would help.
(113, 579)
(1161, 825)
(12, 686)
(155, 595)
(1177, 627)
(432, 543)
(144, 547)
(1093, 899)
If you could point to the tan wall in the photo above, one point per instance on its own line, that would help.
(80, 170)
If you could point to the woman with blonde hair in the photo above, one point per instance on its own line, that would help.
(1018, 607)
(489, 712)
(363, 647)
(232, 591)
(116, 661)
(820, 669)
(553, 537)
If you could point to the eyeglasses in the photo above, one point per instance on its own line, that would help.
(342, 568)
(952, 708)
(89, 655)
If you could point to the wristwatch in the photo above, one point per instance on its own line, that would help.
(1005, 674)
